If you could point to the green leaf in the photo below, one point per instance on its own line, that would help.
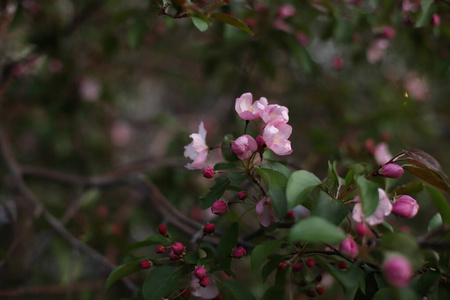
(228, 241)
(329, 209)
(227, 154)
(215, 193)
(276, 182)
(428, 8)
(224, 18)
(409, 188)
(315, 229)
(270, 266)
(160, 282)
(368, 194)
(432, 177)
(403, 243)
(435, 222)
(299, 185)
(273, 293)
(122, 271)
(200, 20)
(350, 279)
(151, 240)
(261, 252)
(426, 282)
(136, 33)
(276, 166)
(238, 291)
(333, 176)
(396, 294)
(441, 204)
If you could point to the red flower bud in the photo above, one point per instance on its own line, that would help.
(173, 256)
(186, 294)
(319, 288)
(242, 195)
(145, 264)
(281, 266)
(209, 228)
(208, 172)
(296, 267)
(163, 230)
(200, 272)
(260, 142)
(204, 281)
(160, 249)
(342, 265)
(290, 215)
(310, 262)
(405, 207)
(349, 246)
(239, 252)
(361, 229)
(178, 248)
(435, 20)
(338, 63)
(392, 171)
(219, 208)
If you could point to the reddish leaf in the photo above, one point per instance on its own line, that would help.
(432, 177)
(423, 159)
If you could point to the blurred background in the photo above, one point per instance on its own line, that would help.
(94, 91)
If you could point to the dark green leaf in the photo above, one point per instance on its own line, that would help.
(435, 222)
(160, 282)
(315, 229)
(333, 176)
(261, 252)
(215, 193)
(428, 8)
(368, 195)
(122, 271)
(299, 185)
(409, 188)
(403, 243)
(276, 166)
(136, 33)
(273, 293)
(270, 266)
(233, 21)
(226, 245)
(425, 283)
(432, 177)
(396, 294)
(277, 186)
(151, 240)
(329, 209)
(350, 279)
(441, 204)
(226, 148)
(238, 291)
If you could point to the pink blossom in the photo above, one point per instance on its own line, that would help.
(248, 110)
(280, 24)
(276, 137)
(302, 38)
(90, 88)
(209, 292)
(120, 133)
(376, 50)
(398, 271)
(286, 11)
(405, 207)
(361, 229)
(392, 171)
(200, 272)
(197, 150)
(244, 146)
(265, 212)
(274, 112)
(416, 88)
(435, 20)
(338, 63)
(349, 246)
(388, 32)
(239, 252)
(410, 6)
(383, 209)
(382, 154)
(219, 207)
(208, 172)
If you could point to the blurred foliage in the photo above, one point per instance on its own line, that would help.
(88, 86)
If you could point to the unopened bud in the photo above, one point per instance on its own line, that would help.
(219, 208)
(145, 264)
(405, 207)
(361, 229)
(173, 256)
(163, 230)
(242, 195)
(398, 271)
(392, 171)
(186, 294)
(296, 267)
(178, 248)
(319, 288)
(209, 228)
(342, 265)
(208, 172)
(239, 252)
(281, 266)
(160, 249)
(310, 262)
(204, 281)
(435, 20)
(290, 215)
(349, 246)
(200, 272)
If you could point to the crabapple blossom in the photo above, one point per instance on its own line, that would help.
(200, 272)
(248, 110)
(383, 209)
(382, 154)
(178, 248)
(310, 262)
(197, 150)
(274, 112)
(398, 271)
(392, 171)
(405, 207)
(349, 246)
(209, 228)
(239, 252)
(244, 146)
(296, 267)
(162, 230)
(361, 229)
(173, 256)
(286, 11)
(145, 264)
(208, 292)
(265, 212)
(276, 137)
(204, 282)
(208, 172)
(219, 207)
(242, 195)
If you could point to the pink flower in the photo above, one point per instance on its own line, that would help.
(200, 272)
(209, 228)
(392, 171)
(361, 229)
(209, 292)
(377, 50)
(405, 207)
(388, 32)
(239, 252)
(248, 110)
(286, 11)
(208, 172)
(349, 246)
(178, 248)
(338, 63)
(276, 137)
(265, 212)
(302, 38)
(435, 20)
(383, 209)
(275, 112)
(244, 146)
(382, 154)
(398, 271)
(197, 150)
(219, 208)
(242, 195)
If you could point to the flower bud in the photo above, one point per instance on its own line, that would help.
(160, 249)
(242, 195)
(361, 229)
(290, 215)
(178, 248)
(392, 171)
(260, 142)
(281, 266)
(163, 230)
(209, 228)
(405, 207)
(145, 264)
(296, 267)
(239, 252)
(338, 63)
(342, 265)
(208, 172)
(435, 20)
(219, 208)
(244, 146)
(173, 256)
(310, 262)
(398, 271)
(186, 294)
(320, 289)
(349, 246)
(204, 281)
(200, 272)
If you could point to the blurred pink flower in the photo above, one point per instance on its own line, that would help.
(383, 209)
(410, 6)
(302, 38)
(349, 246)
(338, 63)
(274, 112)
(120, 133)
(265, 212)
(244, 146)
(197, 150)
(405, 207)
(248, 110)
(208, 292)
(286, 11)
(398, 271)
(276, 136)
(280, 24)
(415, 87)
(381, 153)
(435, 20)
(376, 50)
(90, 88)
